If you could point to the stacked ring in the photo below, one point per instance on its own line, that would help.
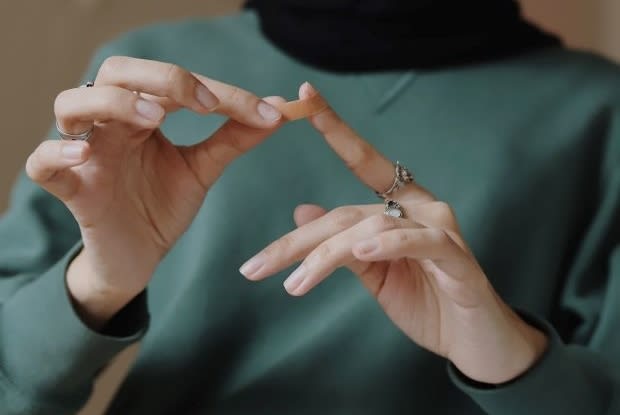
(86, 135)
(402, 176)
(393, 209)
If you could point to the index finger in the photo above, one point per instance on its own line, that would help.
(242, 105)
(365, 161)
(173, 83)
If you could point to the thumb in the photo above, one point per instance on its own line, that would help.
(307, 213)
(210, 157)
(50, 166)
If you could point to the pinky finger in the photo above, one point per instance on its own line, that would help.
(49, 165)
(420, 244)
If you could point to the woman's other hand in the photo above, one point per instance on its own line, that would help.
(419, 268)
(132, 192)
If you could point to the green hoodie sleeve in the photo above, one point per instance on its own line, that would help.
(48, 357)
(580, 372)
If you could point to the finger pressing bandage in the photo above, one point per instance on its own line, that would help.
(302, 108)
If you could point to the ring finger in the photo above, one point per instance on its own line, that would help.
(296, 245)
(337, 251)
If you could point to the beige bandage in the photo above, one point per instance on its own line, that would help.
(302, 108)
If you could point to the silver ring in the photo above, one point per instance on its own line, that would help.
(86, 135)
(393, 209)
(402, 176)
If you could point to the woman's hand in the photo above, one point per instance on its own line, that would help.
(132, 192)
(419, 268)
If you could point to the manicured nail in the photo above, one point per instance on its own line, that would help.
(206, 98)
(308, 89)
(149, 110)
(367, 247)
(250, 268)
(268, 112)
(294, 280)
(73, 150)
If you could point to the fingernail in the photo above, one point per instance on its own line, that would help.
(307, 91)
(268, 112)
(149, 110)
(250, 268)
(73, 150)
(367, 247)
(309, 88)
(295, 279)
(206, 98)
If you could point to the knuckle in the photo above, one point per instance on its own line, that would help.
(176, 76)
(443, 212)
(381, 222)
(234, 141)
(235, 145)
(345, 217)
(235, 94)
(403, 237)
(438, 236)
(107, 99)
(280, 247)
(242, 98)
(361, 157)
(110, 66)
(321, 254)
(61, 103)
(31, 169)
(209, 155)
(331, 122)
(35, 164)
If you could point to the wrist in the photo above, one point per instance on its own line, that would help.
(529, 345)
(94, 302)
(516, 349)
(535, 343)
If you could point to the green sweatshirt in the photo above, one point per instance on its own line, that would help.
(526, 150)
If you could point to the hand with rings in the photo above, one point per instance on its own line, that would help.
(132, 192)
(417, 267)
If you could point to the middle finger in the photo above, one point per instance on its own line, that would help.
(294, 246)
(337, 252)
(157, 78)
(189, 90)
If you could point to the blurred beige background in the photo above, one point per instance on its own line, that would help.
(46, 46)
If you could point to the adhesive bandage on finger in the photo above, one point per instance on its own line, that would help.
(302, 108)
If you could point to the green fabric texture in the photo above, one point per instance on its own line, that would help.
(527, 152)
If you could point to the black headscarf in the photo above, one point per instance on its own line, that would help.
(374, 35)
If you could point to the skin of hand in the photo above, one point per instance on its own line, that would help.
(132, 192)
(419, 269)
